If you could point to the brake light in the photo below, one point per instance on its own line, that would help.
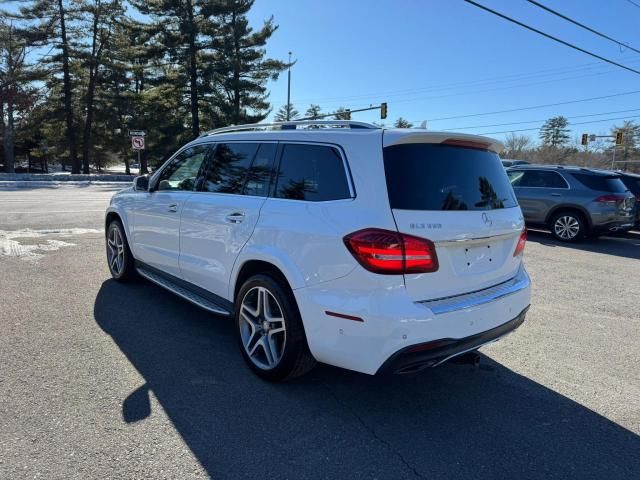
(521, 243)
(466, 144)
(388, 252)
(610, 199)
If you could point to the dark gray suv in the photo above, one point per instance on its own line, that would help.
(572, 202)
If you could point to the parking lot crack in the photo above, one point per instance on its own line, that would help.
(373, 432)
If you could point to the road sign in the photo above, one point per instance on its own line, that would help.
(137, 143)
(137, 133)
(592, 137)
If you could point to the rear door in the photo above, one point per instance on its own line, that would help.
(459, 198)
(538, 191)
(219, 218)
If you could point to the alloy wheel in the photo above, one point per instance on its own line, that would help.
(115, 251)
(262, 328)
(567, 227)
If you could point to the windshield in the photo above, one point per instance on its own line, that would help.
(426, 176)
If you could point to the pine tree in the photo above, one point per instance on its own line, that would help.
(286, 112)
(241, 68)
(555, 132)
(313, 112)
(49, 22)
(17, 95)
(342, 114)
(402, 123)
(101, 17)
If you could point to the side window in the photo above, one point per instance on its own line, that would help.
(181, 172)
(227, 171)
(311, 172)
(515, 176)
(542, 179)
(259, 174)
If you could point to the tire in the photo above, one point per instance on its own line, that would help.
(568, 226)
(119, 258)
(275, 350)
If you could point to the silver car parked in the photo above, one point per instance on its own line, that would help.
(572, 202)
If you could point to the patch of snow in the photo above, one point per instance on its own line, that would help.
(11, 247)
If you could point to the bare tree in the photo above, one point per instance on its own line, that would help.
(515, 145)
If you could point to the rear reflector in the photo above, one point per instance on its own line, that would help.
(392, 253)
(521, 243)
(343, 315)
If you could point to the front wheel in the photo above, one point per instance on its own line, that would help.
(119, 258)
(568, 227)
(270, 331)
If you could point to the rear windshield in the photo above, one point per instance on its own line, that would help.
(633, 184)
(601, 183)
(426, 176)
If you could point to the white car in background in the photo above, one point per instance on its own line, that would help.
(340, 242)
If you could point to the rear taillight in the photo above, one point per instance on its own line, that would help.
(610, 199)
(388, 252)
(522, 241)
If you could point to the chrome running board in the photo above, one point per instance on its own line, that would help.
(183, 292)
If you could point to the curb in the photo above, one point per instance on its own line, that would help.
(54, 184)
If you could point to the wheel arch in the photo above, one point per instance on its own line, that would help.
(586, 218)
(251, 267)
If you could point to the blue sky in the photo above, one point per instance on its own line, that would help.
(431, 59)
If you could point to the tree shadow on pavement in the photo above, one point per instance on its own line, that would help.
(450, 422)
(621, 245)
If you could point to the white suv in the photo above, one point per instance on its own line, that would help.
(335, 241)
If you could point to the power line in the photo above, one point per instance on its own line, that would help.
(533, 107)
(633, 3)
(537, 121)
(581, 25)
(554, 72)
(578, 123)
(551, 37)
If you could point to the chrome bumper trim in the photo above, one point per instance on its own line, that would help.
(479, 297)
(471, 241)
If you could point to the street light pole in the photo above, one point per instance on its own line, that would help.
(289, 91)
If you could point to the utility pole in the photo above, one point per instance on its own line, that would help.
(289, 91)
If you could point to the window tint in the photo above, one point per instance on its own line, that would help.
(515, 176)
(601, 183)
(632, 183)
(227, 171)
(541, 179)
(181, 172)
(259, 174)
(425, 176)
(312, 172)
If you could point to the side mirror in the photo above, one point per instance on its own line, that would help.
(141, 183)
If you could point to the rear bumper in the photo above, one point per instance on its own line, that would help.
(377, 326)
(436, 352)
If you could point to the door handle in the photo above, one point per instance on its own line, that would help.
(237, 217)
(556, 195)
(173, 207)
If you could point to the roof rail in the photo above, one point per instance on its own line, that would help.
(293, 125)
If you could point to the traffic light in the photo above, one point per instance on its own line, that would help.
(619, 138)
(347, 114)
(585, 139)
(383, 110)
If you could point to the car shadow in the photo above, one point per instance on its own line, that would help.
(621, 245)
(450, 422)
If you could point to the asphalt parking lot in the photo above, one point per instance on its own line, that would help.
(99, 379)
